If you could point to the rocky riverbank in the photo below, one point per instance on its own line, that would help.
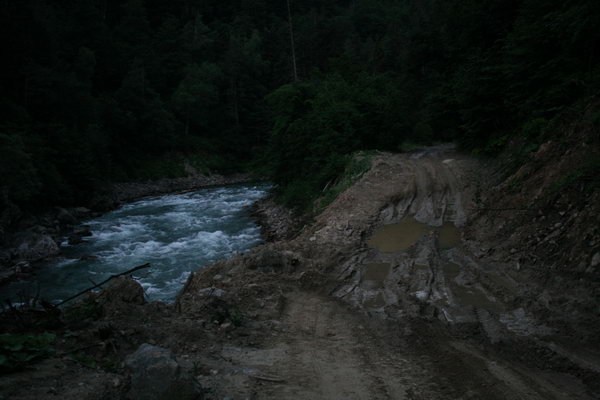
(126, 192)
(276, 221)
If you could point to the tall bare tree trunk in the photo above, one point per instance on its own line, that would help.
(292, 41)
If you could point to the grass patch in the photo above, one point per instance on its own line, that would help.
(82, 312)
(20, 350)
(358, 164)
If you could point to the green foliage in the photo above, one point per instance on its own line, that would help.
(223, 312)
(83, 311)
(316, 125)
(85, 359)
(197, 96)
(408, 145)
(586, 175)
(94, 91)
(534, 129)
(19, 350)
(357, 165)
(236, 317)
(20, 180)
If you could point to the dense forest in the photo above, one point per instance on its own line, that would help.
(97, 91)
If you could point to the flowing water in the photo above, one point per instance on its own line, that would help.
(176, 234)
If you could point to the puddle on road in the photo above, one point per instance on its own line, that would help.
(376, 273)
(400, 236)
(449, 236)
(465, 295)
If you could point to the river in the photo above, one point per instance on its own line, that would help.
(176, 234)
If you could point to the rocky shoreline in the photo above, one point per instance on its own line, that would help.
(36, 238)
(130, 191)
(276, 222)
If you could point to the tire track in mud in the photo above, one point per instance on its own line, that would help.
(331, 356)
(333, 353)
(337, 354)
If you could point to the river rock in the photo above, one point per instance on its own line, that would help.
(156, 375)
(64, 217)
(83, 230)
(212, 292)
(81, 212)
(270, 258)
(75, 239)
(125, 289)
(33, 246)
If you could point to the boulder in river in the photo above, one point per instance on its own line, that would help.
(76, 237)
(126, 290)
(32, 246)
(80, 212)
(64, 217)
(156, 375)
(83, 230)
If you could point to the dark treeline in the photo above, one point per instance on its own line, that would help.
(101, 90)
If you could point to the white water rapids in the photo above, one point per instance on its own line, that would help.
(176, 234)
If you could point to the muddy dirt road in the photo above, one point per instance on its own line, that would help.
(324, 350)
(384, 299)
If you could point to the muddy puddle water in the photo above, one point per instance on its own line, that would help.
(376, 273)
(399, 237)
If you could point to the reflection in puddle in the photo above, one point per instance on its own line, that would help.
(449, 236)
(400, 236)
(376, 273)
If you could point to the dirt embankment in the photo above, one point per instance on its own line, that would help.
(405, 287)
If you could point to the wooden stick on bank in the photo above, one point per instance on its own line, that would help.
(147, 265)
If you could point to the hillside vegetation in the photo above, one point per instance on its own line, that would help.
(96, 91)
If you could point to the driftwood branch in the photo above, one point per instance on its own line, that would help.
(147, 265)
